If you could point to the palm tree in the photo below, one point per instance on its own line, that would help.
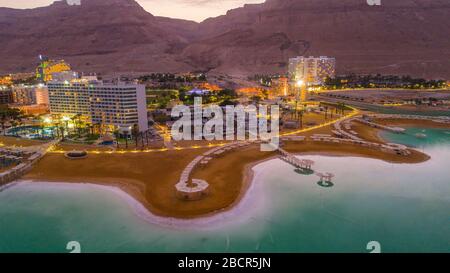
(135, 133)
(300, 115)
(10, 114)
(77, 122)
(94, 128)
(62, 129)
(146, 137)
(91, 129)
(292, 113)
(116, 134)
(74, 122)
(126, 139)
(57, 129)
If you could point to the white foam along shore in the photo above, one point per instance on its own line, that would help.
(243, 211)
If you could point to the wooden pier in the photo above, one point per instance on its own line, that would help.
(306, 165)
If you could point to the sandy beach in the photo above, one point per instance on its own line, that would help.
(150, 177)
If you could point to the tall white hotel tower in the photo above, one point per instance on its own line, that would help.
(115, 105)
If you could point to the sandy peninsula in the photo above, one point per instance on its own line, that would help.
(150, 177)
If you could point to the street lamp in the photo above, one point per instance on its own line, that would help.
(299, 84)
(47, 120)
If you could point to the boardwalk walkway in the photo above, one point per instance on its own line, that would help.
(397, 130)
(197, 188)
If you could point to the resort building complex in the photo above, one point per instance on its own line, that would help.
(5, 95)
(280, 87)
(24, 94)
(42, 95)
(47, 67)
(113, 105)
(311, 70)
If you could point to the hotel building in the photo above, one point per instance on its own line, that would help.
(280, 87)
(5, 95)
(311, 70)
(47, 68)
(115, 105)
(30, 95)
(24, 94)
(42, 95)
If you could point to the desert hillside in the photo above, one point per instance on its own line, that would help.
(399, 37)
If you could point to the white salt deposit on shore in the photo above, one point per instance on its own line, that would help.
(251, 204)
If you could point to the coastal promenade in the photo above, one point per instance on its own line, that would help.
(170, 147)
(397, 130)
(353, 113)
(346, 135)
(341, 132)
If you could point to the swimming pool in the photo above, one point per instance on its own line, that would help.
(32, 132)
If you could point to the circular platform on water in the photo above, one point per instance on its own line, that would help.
(196, 191)
(324, 184)
(304, 171)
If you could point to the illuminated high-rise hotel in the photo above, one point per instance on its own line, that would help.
(311, 70)
(111, 105)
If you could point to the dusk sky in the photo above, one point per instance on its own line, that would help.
(197, 10)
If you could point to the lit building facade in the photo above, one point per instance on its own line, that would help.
(47, 67)
(280, 87)
(24, 94)
(311, 70)
(111, 105)
(6, 80)
(5, 95)
(22, 76)
(42, 95)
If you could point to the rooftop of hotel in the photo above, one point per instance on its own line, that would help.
(92, 82)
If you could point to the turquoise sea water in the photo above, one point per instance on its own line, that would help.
(396, 110)
(433, 137)
(406, 208)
